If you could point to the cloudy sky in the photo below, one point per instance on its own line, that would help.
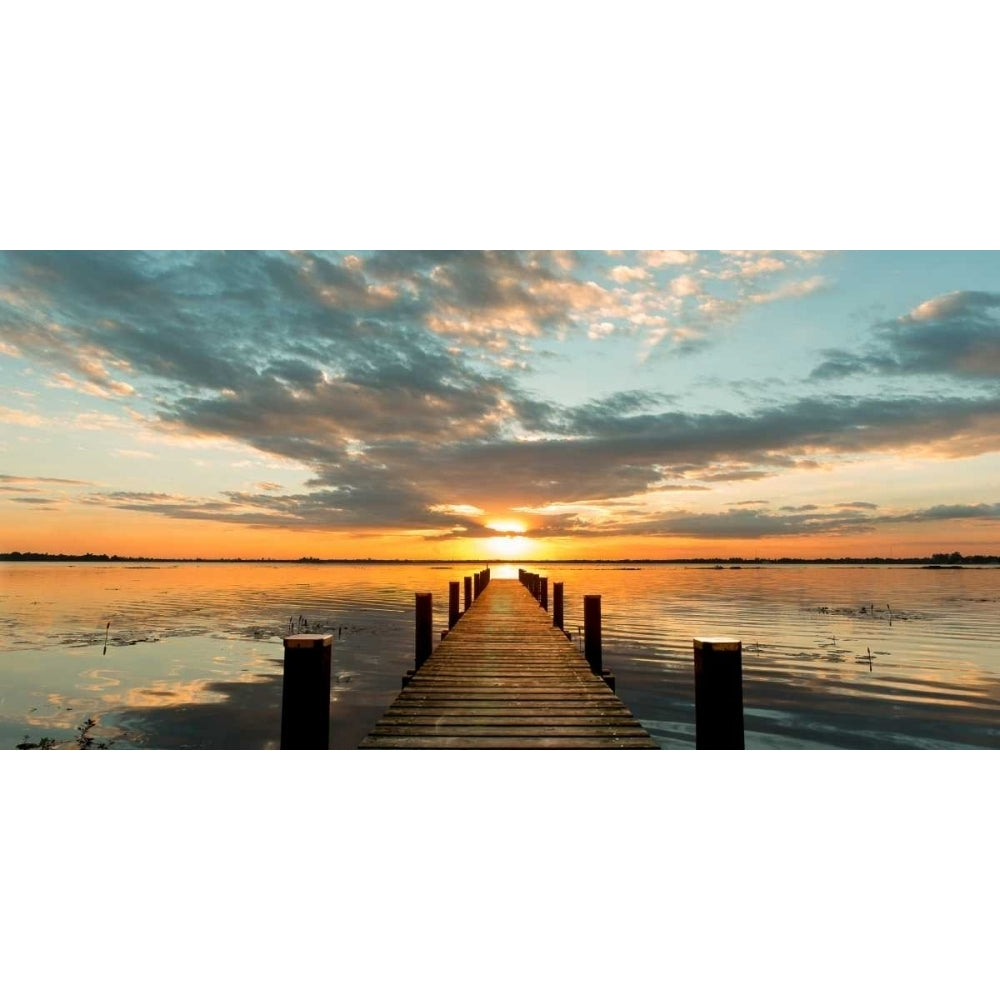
(659, 403)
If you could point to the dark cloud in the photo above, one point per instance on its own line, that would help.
(950, 512)
(956, 334)
(741, 523)
(397, 481)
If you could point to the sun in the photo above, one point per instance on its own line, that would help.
(509, 542)
(508, 546)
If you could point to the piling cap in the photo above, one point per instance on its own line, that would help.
(719, 643)
(307, 640)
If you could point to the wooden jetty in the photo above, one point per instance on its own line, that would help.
(504, 677)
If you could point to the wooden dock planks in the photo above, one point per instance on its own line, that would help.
(505, 678)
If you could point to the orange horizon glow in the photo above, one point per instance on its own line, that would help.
(137, 534)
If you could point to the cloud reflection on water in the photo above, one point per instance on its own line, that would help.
(806, 673)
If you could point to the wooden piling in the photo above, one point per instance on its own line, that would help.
(592, 633)
(557, 605)
(718, 694)
(452, 604)
(543, 592)
(468, 593)
(305, 692)
(424, 631)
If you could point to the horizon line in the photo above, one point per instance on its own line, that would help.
(949, 558)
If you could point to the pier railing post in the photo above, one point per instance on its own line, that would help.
(424, 644)
(543, 592)
(468, 593)
(592, 632)
(452, 604)
(718, 694)
(305, 692)
(557, 605)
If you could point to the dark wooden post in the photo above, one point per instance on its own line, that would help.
(543, 592)
(557, 605)
(305, 692)
(468, 593)
(718, 694)
(424, 630)
(592, 633)
(452, 604)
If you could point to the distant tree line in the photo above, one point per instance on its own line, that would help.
(956, 558)
(61, 557)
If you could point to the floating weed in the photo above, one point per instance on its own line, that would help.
(84, 741)
(45, 743)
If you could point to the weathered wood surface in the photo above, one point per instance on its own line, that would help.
(505, 678)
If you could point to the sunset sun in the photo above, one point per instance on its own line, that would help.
(510, 541)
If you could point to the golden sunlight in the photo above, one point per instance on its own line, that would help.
(509, 546)
(507, 527)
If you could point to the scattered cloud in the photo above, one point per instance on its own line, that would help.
(685, 285)
(668, 258)
(792, 290)
(47, 501)
(21, 417)
(43, 479)
(464, 509)
(623, 275)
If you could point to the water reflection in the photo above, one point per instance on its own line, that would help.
(833, 656)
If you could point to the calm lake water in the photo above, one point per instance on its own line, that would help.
(861, 656)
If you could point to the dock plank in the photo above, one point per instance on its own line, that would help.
(505, 678)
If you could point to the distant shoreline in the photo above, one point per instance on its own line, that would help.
(938, 560)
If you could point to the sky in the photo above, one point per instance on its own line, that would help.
(487, 405)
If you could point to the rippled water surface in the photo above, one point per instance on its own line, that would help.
(833, 656)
